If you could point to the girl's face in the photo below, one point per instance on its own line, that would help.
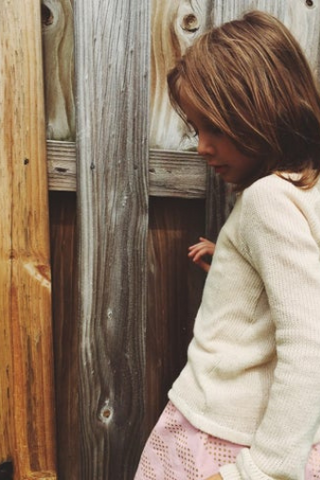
(218, 150)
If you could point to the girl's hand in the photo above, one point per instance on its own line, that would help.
(199, 250)
(215, 477)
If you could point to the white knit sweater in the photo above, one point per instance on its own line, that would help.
(253, 370)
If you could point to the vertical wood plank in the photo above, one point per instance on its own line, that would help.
(65, 329)
(26, 366)
(112, 63)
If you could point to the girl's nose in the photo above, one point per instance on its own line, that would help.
(205, 148)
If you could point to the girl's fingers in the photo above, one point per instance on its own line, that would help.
(196, 255)
(203, 242)
(199, 250)
(204, 265)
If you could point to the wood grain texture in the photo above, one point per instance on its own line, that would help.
(112, 63)
(176, 174)
(61, 164)
(171, 174)
(58, 46)
(65, 329)
(26, 366)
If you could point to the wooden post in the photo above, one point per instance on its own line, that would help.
(112, 64)
(26, 364)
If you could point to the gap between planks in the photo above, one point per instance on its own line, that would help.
(171, 173)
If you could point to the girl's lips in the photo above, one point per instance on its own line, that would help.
(220, 168)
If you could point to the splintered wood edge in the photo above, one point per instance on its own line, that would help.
(171, 173)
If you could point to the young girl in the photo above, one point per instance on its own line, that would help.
(247, 404)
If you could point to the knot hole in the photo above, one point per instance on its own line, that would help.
(190, 23)
(46, 15)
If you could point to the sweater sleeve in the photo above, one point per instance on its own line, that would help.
(279, 242)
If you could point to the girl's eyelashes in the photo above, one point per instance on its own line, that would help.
(193, 131)
(206, 126)
(209, 127)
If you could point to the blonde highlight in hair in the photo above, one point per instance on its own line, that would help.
(250, 78)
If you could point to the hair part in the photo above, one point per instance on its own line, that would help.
(250, 78)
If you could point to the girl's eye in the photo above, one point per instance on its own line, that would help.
(193, 131)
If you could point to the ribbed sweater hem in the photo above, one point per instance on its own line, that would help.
(209, 426)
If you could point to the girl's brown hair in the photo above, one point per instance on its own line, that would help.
(250, 78)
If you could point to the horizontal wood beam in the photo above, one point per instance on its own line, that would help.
(61, 160)
(171, 173)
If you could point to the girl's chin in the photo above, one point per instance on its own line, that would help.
(224, 173)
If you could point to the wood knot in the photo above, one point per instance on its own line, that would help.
(309, 3)
(106, 413)
(190, 23)
(40, 273)
(46, 15)
(61, 170)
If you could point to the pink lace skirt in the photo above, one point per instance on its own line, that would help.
(178, 451)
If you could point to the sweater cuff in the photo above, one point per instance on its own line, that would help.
(243, 469)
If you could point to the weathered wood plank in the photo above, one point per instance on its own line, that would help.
(58, 46)
(26, 364)
(112, 63)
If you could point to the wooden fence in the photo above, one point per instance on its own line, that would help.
(127, 198)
